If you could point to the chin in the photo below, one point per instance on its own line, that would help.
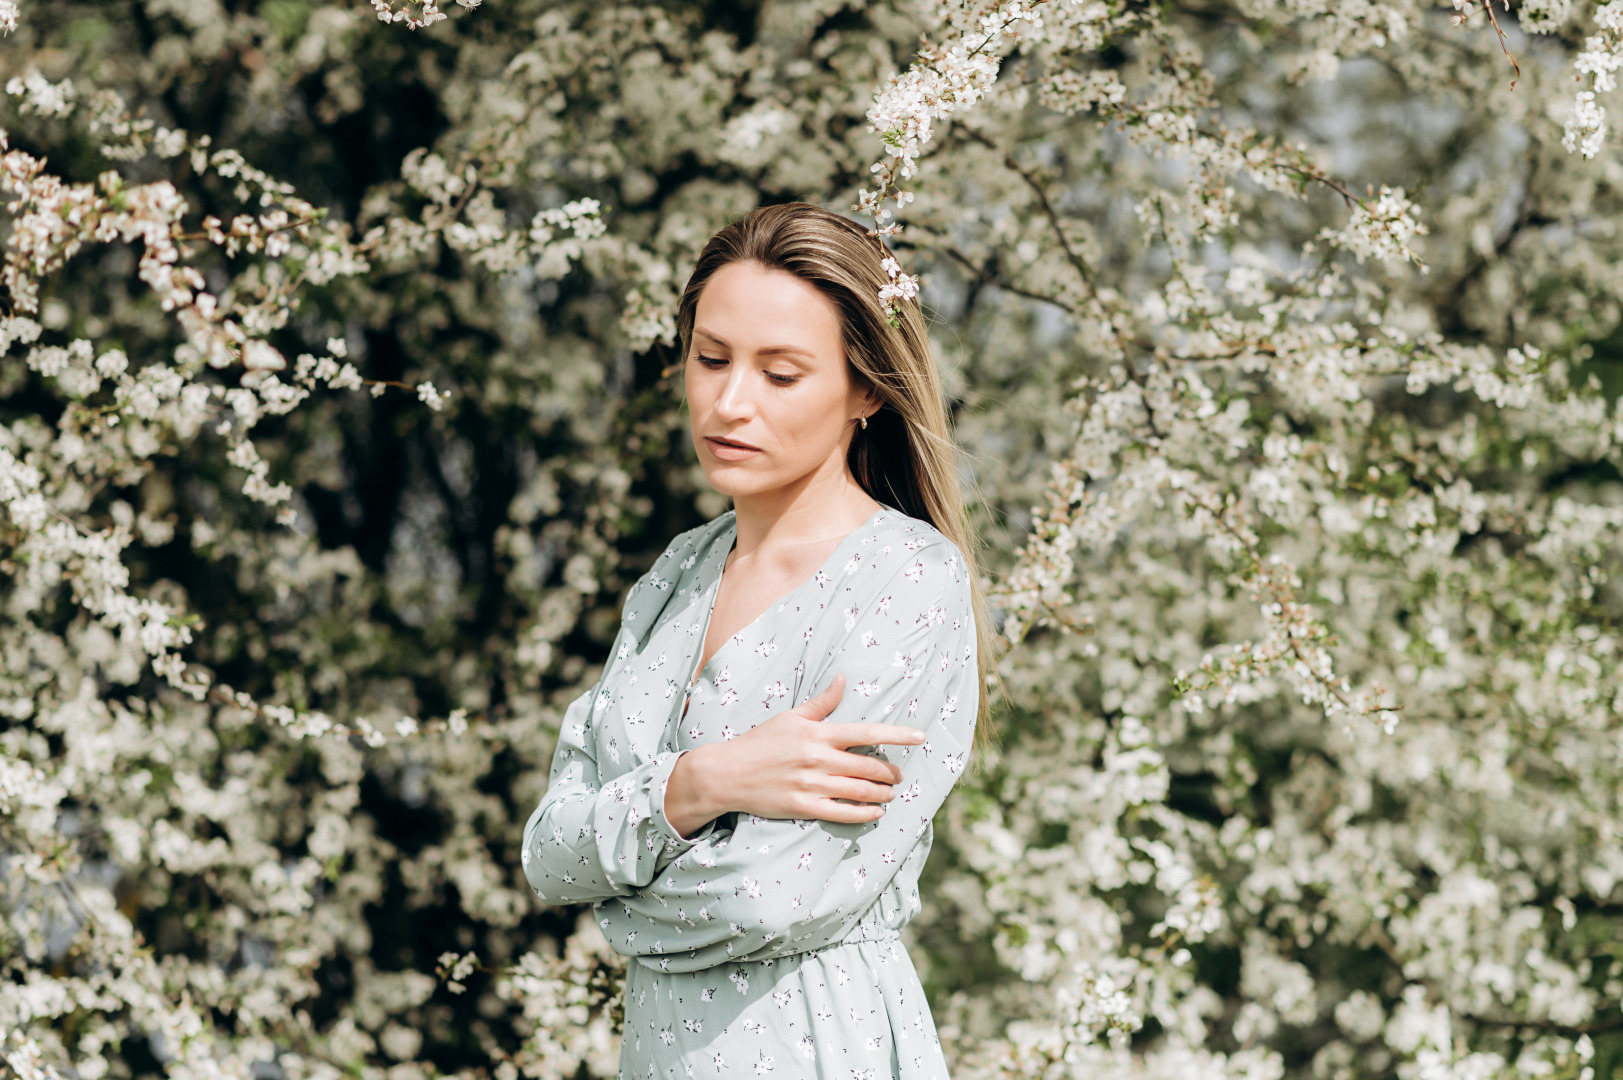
(742, 479)
(733, 481)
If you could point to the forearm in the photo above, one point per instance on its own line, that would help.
(772, 882)
(692, 797)
(741, 894)
(585, 843)
(560, 853)
(770, 888)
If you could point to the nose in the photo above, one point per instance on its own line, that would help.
(734, 402)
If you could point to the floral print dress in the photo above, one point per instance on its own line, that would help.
(762, 946)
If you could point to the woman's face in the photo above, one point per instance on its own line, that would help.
(770, 397)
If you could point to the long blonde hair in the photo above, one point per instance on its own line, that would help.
(906, 457)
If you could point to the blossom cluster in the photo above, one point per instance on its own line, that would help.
(944, 79)
(1602, 55)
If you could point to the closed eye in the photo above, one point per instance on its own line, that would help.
(775, 378)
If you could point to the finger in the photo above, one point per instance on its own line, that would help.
(849, 787)
(862, 767)
(843, 735)
(820, 705)
(847, 813)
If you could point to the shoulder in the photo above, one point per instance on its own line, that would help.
(911, 552)
(915, 587)
(679, 561)
(694, 542)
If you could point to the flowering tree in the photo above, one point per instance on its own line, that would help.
(339, 412)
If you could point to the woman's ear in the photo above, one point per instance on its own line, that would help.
(871, 402)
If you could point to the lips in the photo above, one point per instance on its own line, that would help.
(729, 449)
(717, 439)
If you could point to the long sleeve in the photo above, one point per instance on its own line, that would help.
(770, 887)
(600, 832)
(588, 840)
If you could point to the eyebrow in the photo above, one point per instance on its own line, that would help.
(770, 350)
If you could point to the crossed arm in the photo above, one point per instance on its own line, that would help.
(759, 886)
(587, 840)
(771, 886)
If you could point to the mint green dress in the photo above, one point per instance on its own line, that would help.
(764, 946)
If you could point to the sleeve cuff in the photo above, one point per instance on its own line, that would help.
(674, 842)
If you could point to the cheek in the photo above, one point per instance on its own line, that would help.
(693, 392)
(808, 424)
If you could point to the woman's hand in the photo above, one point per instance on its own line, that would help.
(790, 766)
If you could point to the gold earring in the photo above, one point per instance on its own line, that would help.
(863, 420)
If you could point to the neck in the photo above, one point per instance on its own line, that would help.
(825, 503)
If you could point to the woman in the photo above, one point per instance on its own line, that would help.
(754, 857)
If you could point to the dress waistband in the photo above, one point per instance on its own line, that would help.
(868, 933)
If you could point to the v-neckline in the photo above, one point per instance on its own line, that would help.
(715, 594)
